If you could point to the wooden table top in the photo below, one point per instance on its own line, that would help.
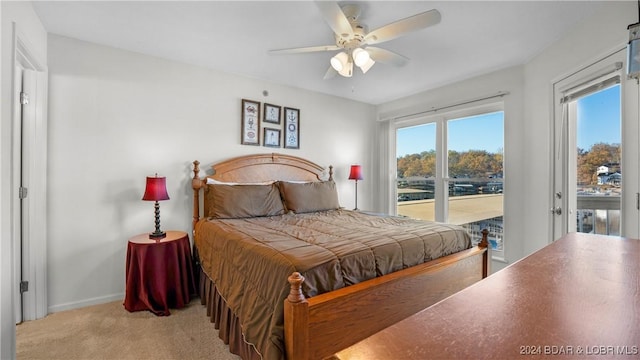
(577, 297)
(172, 235)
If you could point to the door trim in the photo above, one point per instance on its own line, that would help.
(34, 261)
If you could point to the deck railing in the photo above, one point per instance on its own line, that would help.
(598, 214)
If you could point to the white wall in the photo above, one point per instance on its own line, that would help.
(116, 117)
(21, 17)
(528, 118)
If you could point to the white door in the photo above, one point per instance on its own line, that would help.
(595, 151)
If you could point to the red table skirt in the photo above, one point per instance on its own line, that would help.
(159, 275)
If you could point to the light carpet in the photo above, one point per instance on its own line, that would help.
(108, 331)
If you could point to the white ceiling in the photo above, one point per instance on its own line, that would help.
(473, 38)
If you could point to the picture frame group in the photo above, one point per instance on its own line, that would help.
(280, 125)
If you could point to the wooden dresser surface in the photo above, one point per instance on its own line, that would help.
(577, 297)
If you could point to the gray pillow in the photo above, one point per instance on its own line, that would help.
(243, 201)
(309, 196)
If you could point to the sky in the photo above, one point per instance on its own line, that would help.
(599, 118)
(598, 121)
(482, 132)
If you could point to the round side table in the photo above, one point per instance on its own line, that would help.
(159, 273)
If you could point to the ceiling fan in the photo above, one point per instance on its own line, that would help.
(353, 41)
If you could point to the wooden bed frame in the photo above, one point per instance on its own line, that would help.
(318, 327)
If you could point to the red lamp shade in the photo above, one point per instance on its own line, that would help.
(356, 172)
(156, 189)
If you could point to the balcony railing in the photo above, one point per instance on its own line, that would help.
(598, 214)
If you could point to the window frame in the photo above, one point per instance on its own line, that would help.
(442, 178)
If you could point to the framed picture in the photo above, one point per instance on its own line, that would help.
(271, 113)
(272, 137)
(250, 122)
(291, 128)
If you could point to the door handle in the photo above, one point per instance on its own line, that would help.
(556, 210)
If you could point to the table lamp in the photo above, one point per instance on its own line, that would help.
(356, 174)
(156, 190)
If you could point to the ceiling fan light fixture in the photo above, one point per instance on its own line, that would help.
(353, 40)
(339, 62)
(366, 66)
(347, 70)
(360, 56)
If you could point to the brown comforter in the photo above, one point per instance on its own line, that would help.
(250, 259)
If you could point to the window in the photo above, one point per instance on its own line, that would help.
(599, 174)
(459, 179)
(416, 168)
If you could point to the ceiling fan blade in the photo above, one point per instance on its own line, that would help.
(304, 50)
(403, 27)
(335, 18)
(331, 73)
(386, 56)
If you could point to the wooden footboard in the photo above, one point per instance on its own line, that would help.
(320, 326)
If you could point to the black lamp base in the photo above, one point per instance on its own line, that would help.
(158, 235)
(356, 208)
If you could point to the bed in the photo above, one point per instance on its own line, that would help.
(285, 272)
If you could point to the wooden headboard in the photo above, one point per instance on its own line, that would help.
(257, 168)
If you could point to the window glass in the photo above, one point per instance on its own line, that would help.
(416, 167)
(476, 176)
(599, 174)
(472, 178)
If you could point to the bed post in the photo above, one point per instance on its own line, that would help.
(296, 320)
(330, 172)
(196, 184)
(486, 257)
